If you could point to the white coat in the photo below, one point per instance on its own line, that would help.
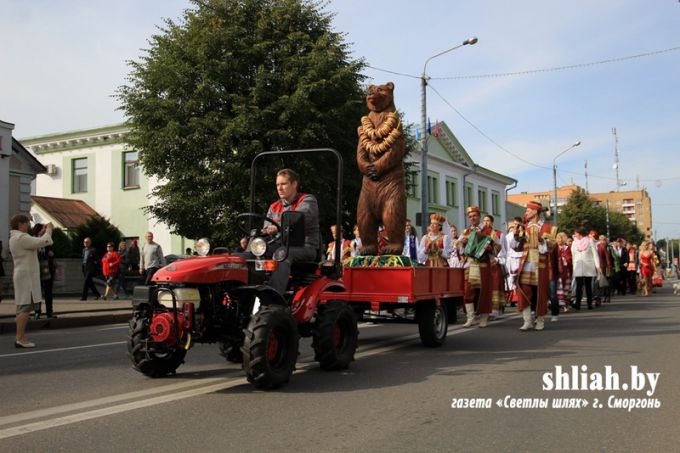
(586, 263)
(24, 250)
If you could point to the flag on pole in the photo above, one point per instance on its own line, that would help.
(437, 129)
(429, 127)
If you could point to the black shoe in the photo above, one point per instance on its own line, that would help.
(590, 307)
(51, 316)
(97, 297)
(83, 298)
(36, 316)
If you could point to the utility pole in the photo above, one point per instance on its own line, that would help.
(586, 167)
(607, 216)
(616, 158)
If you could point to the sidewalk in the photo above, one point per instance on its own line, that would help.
(70, 312)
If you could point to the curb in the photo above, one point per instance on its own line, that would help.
(64, 323)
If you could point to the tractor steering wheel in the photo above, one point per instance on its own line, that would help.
(248, 218)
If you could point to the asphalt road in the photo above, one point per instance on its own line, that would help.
(78, 392)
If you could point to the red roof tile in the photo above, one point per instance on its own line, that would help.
(67, 212)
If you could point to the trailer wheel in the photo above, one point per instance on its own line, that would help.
(334, 337)
(270, 348)
(150, 363)
(231, 351)
(432, 323)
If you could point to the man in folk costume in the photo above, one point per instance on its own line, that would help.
(512, 260)
(434, 250)
(535, 238)
(478, 284)
(497, 258)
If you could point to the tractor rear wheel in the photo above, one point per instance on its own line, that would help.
(270, 348)
(432, 323)
(148, 362)
(334, 337)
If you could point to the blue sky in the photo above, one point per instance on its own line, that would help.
(66, 59)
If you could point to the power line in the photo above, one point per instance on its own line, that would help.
(501, 147)
(559, 68)
(534, 71)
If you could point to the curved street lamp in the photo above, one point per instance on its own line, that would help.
(423, 127)
(555, 175)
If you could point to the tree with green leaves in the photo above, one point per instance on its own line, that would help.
(228, 80)
(100, 231)
(579, 211)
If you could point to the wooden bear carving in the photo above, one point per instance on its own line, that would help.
(380, 157)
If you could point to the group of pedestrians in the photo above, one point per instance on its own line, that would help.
(117, 263)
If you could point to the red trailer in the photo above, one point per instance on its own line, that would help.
(434, 293)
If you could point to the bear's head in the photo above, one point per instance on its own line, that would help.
(380, 98)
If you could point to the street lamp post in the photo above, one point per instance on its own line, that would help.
(555, 176)
(423, 128)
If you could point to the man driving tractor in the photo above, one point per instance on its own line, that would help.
(290, 199)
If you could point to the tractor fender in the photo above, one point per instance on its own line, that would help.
(306, 299)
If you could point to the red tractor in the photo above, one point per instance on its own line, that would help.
(222, 298)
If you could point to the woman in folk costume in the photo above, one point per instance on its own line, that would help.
(434, 247)
(512, 260)
(456, 258)
(497, 258)
(534, 238)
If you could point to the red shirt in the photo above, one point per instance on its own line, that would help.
(111, 263)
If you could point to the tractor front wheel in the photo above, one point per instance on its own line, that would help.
(147, 360)
(270, 348)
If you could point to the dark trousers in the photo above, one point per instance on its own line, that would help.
(554, 302)
(149, 274)
(632, 282)
(279, 278)
(47, 286)
(622, 279)
(122, 284)
(88, 284)
(580, 283)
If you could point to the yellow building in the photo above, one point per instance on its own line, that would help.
(636, 205)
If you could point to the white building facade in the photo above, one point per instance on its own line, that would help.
(455, 182)
(98, 167)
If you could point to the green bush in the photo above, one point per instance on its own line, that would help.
(100, 231)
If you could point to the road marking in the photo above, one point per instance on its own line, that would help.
(44, 351)
(115, 327)
(378, 348)
(10, 419)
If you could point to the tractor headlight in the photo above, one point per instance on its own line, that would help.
(258, 247)
(202, 246)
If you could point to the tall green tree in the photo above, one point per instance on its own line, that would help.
(228, 80)
(100, 231)
(579, 211)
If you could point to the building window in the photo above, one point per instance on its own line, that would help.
(495, 203)
(432, 188)
(79, 171)
(412, 179)
(468, 195)
(481, 196)
(451, 192)
(130, 169)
